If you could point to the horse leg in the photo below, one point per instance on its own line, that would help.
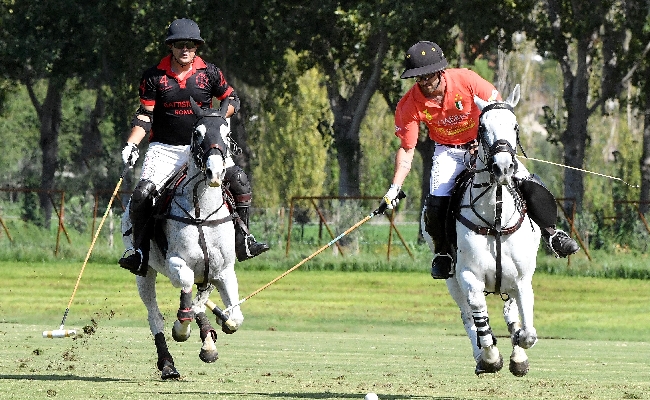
(525, 337)
(147, 290)
(518, 358)
(208, 353)
(185, 315)
(490, 360)
(228, 288)
(181, 276)
(465, 315)
(165, 361)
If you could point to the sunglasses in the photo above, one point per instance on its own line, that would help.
(184, 44)
(424, 78)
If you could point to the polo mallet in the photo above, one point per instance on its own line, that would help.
(61, 333)
(379, 210)
(223, 317)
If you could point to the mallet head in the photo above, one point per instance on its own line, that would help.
(60, 333)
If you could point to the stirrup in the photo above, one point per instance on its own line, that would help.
(127, 263)
(559, 253)
(250, 248)
(448, 270)
(132, 250)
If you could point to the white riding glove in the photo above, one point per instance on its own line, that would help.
(390, 198)
(130, 154)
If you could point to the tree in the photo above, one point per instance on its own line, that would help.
(53, 41)
(572, 32)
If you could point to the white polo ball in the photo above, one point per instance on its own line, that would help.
(371, 396)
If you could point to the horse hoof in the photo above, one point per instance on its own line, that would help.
(519, 369)
(169, 372)
(180, 332)
(208, 356)
(483, 367)
(518, 362)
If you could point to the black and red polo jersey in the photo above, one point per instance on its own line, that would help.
(173, 118)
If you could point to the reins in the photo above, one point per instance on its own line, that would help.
(493, 229)
(200, 157)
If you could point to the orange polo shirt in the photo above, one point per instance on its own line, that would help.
(455, 121)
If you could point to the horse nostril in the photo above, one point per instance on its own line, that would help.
(208, 174)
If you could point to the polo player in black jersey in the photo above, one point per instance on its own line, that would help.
(165, 116)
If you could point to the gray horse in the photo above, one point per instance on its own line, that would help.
(497, 243)
(200, 245)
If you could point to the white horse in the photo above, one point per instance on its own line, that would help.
(200, 246)
(497, 243)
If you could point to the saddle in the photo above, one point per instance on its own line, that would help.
(162, 208)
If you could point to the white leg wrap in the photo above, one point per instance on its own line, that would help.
(483, 329)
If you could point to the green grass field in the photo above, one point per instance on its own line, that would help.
(317, 335)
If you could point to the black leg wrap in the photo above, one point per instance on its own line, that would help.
(185, 312)
(205, 326)
(163, 351)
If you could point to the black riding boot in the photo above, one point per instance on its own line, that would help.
(245, 244)
(542, 209)
(140, 210)
(434, 220)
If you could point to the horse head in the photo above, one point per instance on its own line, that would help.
(498, 136)
(208, 147)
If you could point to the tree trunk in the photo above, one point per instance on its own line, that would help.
(645, 158)
(92, 147)
(348, 114)
(574, 138)
(50, 119)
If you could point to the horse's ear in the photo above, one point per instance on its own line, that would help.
(514, 97)
(198, 111)
(480, 102)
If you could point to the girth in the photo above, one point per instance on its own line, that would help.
(490, 231)
(495, 230)
(199, 221)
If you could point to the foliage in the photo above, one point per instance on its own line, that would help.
(291, 153)
(292, 98)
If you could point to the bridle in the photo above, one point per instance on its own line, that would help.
(202, 149)
(494, 228)
(500, 145)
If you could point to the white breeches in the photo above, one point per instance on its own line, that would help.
(448, 163)
(162, 161)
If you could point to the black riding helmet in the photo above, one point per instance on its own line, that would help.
(423, 58)
(183, 29)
